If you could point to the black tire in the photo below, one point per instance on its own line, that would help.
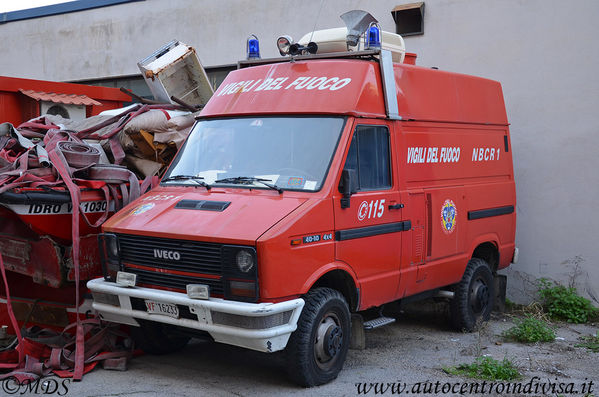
(317, 349)
(157, 338)
(474, 297)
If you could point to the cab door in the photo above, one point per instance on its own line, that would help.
(368, 231)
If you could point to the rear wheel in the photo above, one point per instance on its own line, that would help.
(474, 296)
(157, 338)
(317, 349)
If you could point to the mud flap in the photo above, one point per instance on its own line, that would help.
(358, 338)
(500, 283)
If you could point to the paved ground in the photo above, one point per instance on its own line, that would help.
(414, 349)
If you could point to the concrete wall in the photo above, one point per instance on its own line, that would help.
(543, 52)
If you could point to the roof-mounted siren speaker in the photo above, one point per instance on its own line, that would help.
(357, 21)
(353, 37)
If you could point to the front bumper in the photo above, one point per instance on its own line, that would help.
(258, 326)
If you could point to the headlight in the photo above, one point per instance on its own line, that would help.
(240, 273)
(283, 43)
(245, 261)
(109, 255)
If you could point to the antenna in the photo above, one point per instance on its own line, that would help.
(357, 21)
(317, 16)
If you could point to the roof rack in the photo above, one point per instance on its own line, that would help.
(368, 54)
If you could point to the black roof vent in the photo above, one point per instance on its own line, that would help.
(204, 205)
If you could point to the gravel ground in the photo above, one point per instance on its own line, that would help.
(411, 350)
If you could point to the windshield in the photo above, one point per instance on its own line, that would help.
(291, 153)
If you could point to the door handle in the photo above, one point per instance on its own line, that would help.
(395, 206)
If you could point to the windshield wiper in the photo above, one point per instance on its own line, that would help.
(248, 180)
(196, 179)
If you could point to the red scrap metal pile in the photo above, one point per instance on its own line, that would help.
(59, 181)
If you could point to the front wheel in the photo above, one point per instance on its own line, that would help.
(474, 296)
(317, 349)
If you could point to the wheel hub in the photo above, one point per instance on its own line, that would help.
(333, 340)
(329, 341)
(479, 296)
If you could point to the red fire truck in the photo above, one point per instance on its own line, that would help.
(312, 187)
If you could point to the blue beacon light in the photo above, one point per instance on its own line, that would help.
(253, 47)
(374, 37)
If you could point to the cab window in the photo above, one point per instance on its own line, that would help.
(369, 156)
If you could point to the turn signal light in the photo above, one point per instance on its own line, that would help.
(243, 288)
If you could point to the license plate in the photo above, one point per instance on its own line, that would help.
(166, 309)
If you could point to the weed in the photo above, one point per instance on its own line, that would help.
(530, 330)
(564, 303)
(590, 342)
(535, 309)
(486, 368)
(509, 305)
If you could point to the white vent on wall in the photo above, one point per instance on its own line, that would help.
(73, 112)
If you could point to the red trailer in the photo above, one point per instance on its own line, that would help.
(35, 224)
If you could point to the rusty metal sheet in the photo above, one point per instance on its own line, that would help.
(43, 263)
(19, 250)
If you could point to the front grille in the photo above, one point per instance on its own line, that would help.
(174, 255)
(174, 281)
(194, 256)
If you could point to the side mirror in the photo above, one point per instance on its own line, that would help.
(348, 186)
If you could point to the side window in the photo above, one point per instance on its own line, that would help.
(369, 156)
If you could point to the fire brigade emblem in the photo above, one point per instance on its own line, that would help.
(363, 210)
(448, 216)
(142, 208)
